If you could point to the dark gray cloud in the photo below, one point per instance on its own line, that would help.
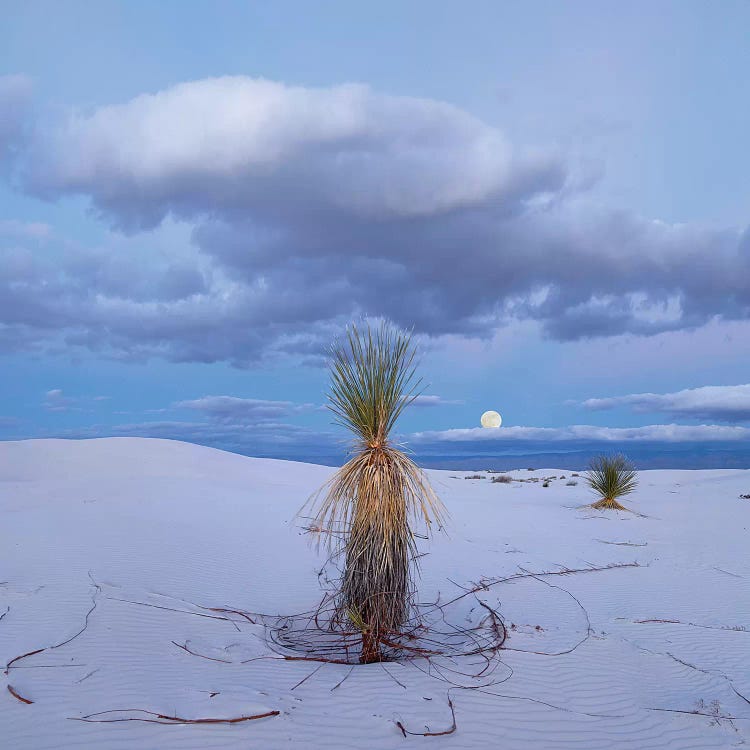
(243, 410)
(57, 295)
(314, 206)
(119, 277)
(723, 403)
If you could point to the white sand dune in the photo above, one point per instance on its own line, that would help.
(137, 540)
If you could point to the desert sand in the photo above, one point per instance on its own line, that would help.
(120, 558)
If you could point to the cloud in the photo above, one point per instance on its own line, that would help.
(657, 433)
(250, 426)
(15, 102)
(24, 230)
(255, 427)
(259, 427)
(427, 400)
(653, 445)
(231, 409)
(235, 143)
(724, 403)
(59, 296)
(55, 400)
(313, 206)
(269, 439)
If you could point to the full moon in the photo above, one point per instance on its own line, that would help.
(491, 419)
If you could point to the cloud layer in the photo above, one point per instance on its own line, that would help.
(310, 206)
(656, 433)
(243, 410)
(652, 446)
(723, 403)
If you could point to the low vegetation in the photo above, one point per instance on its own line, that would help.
(611, 477)
(502, 479)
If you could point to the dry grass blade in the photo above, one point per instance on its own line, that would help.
(17, 696)
(165, 718)
(22, 656)
(450, 730)
(202, 656)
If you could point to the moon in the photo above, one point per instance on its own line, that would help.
(491, 419)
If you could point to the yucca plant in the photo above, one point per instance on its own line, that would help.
(374, 500)
(611, 477)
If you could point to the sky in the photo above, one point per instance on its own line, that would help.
(197, 198)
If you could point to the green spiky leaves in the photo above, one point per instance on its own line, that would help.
(611, 477)
(373, 380)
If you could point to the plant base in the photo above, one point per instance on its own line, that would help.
(370, 649)
(607, 503)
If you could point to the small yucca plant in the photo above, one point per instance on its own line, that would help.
(611, 477)
(375, 498)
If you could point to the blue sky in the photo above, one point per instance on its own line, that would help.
(195, 198)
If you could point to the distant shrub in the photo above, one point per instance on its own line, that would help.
(571, 483)
(474, 476)
(575, 475)
(545, 483)
(611, 477)
(502, 479)
(529, 469)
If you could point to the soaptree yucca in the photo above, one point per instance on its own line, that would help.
(611, 477)
(374, 501)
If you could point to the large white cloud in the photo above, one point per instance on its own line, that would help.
(223, 143)
(726, 403)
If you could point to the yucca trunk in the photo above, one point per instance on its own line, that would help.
(375, 585)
